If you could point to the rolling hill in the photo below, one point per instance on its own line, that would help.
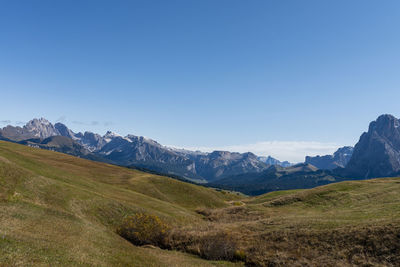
(352, 223)
(58, 209)
(62, 210)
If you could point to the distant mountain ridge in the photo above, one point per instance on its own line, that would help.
(36, 128)
(137, 151)
(272, 161)
(329, 162)
(299, 176)
(377, 154)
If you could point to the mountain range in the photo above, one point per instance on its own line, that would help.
(299, 176)
(60, 210)
(137, 152)
(272, 161)
(377, 154)
(339, 159)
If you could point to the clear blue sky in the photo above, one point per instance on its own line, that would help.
(203, 73)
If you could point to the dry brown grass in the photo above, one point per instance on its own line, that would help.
(370, 246)
(207, 243)
(375, 245)
(347, 224)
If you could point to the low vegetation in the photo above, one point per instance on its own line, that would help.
(60, 210)
(346, 224)
(144, 229)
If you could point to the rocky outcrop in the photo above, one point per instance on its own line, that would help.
(36, 128)
(329, 162)
(377, 154)
(272, 161)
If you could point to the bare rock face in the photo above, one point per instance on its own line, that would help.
(329, 162)
(272, 161)
(64, 131)
(377, 154)
(36, 128)
(41, 128)
(220, 164)
(91, 141)
(134, 151)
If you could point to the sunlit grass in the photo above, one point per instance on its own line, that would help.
(60, 210)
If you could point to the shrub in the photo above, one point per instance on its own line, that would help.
(219, 246)
(240, 255)
(144, 229)
(237, 203)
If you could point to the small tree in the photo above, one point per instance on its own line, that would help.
(144, 229)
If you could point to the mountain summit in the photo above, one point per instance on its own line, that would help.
(134, 151)
(329, 162)
(272, 161)
(36, 128)
(377, 154)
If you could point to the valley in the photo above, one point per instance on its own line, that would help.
(182, 133)
(61, 210)
(376, 155)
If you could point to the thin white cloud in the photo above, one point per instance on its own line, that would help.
(91, 123)
(293, 151)
(62, 119)
(5, 122)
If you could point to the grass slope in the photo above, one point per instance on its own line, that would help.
(57, 209)
(61, 210)
(354, 223)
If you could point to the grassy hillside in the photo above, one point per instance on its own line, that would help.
(344, 224)
(59, 209)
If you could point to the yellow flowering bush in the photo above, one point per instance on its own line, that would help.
(144, 229)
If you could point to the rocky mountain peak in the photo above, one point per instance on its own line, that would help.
(385, 124)
(110, 134)
(37, 123)
(272, 161)
(329, 162)
(139, 151)
(377, 154)
(250, 155)
(346, 150)
(64, 131)
(41, 128)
